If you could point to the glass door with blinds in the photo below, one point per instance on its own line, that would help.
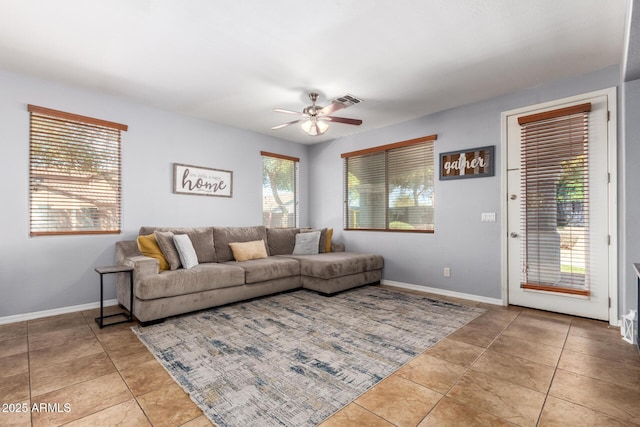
(558, 208)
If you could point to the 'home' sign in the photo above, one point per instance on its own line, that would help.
(201, 181)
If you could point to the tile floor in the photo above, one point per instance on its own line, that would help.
(510, 366)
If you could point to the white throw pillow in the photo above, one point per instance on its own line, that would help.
(187, 253)
(307, 243)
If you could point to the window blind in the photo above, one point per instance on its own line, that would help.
(280, 179)
(390, 187)
(555, 200)
(74, 174)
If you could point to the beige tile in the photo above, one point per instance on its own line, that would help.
(451, 413)
(611, 399)
(124, 414)
(536, 333)
(560, 413)
(13, 346)
(399, 401)
(146, 377)
(515, 370)
(129, 355)
(13, 330)
(14, 388)
(617, 351)
(431, 372)
(586, 330)
(455, 351)
(606, 370)
(54, 323)
(479, 337)
(527, 349)
(169, 406)
(201, 421)
(354, 415)
(548, 315)
(47, 378)
(513, 403)
(14, 365)
(491, 320)
(59, 337)
(67, 352)
(17, 414)
(83, 399)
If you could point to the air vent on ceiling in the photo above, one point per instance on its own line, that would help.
(347, 100)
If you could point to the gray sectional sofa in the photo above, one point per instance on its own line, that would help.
(219, 279)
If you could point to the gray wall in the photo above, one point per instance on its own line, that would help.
(471, 248)
(42, 273)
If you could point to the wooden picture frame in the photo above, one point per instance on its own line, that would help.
(470, 163)
(201, 181)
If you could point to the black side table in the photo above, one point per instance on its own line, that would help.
(127, 315)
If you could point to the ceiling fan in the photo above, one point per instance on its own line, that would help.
(315, 117)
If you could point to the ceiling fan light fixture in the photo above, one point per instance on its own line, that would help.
(314, 127)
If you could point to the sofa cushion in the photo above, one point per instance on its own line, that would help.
(307, 243)
(168, 248)
(337, 264)
(281, 241)
(188, 257)
(244, 251)
(148, 246)
(202, 277)
(201, 238)
(261, 270)
(222, 236)
(323, 237)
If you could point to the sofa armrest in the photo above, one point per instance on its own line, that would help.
(127, 254)
(126, 249)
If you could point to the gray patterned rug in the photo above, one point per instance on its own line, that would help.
(294, 359)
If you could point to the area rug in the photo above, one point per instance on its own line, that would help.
(294, 359)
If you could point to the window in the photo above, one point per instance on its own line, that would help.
(279, 190)
(390, 187)
(74, 174)
(555, 200)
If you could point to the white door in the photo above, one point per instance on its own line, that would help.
(560, 260)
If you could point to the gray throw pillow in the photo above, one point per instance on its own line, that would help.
(187, 253)
(307, 243)
(168, 248)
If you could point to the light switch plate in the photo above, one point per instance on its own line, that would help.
(488, 217)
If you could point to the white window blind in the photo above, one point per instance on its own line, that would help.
(74, 174)
(555, 200)
(390, 187)
(279, 190)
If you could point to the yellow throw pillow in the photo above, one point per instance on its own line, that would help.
(244, 251)
(148, 246)
(327, 242)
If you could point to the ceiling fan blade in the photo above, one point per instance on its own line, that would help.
(335, 106)
(342, 120)
(287, 124)
(282, 110)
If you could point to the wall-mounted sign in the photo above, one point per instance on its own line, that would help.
(201, 181)
(471, 163)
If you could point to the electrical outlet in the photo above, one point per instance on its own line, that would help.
(447, 272)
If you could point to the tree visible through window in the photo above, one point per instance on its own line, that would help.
(74, 174)
(279, 190)
(390, 187)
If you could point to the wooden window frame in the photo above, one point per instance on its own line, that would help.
(50, 130)
(385, 149)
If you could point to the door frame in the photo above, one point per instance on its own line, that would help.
(612, 166)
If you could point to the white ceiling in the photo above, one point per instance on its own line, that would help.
(233, 62)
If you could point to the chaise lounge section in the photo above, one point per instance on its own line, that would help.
(218, 278)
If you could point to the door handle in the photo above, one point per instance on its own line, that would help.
(513, 234)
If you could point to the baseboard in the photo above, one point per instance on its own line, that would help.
(54, 312)
(443, 292)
